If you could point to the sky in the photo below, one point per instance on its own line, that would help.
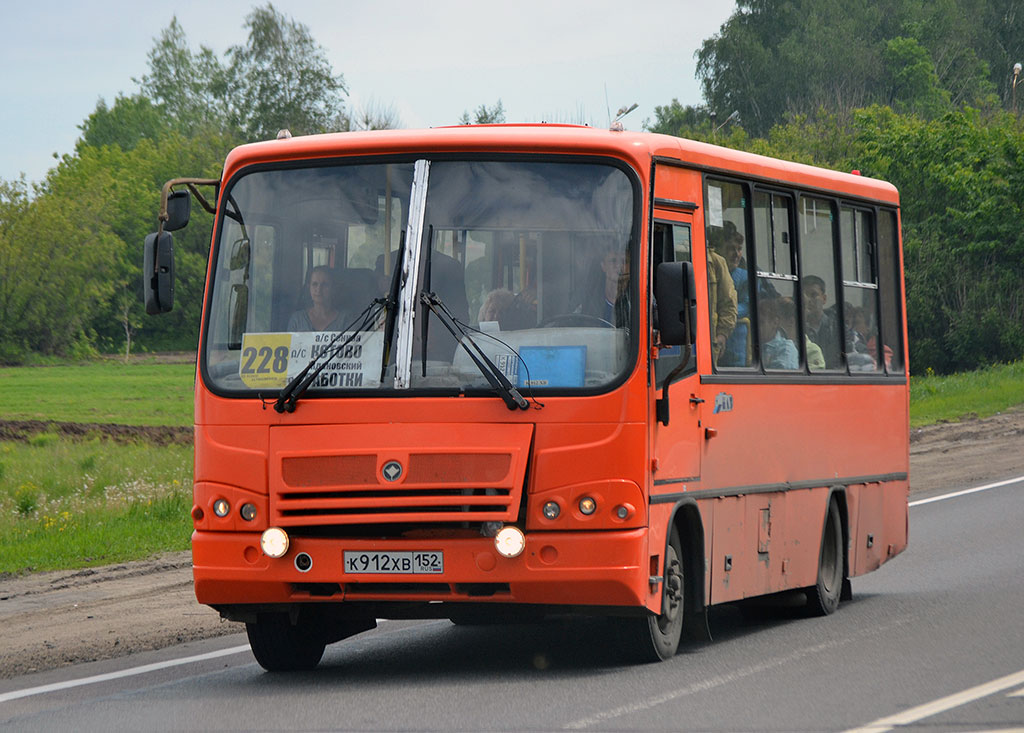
(552, 60)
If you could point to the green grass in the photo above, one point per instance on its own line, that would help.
(100, 392)
(953, 397)
(69, 504)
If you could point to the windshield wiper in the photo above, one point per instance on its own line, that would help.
(301, 381)
(495, 377)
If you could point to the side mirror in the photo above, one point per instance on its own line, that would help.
(179, 208)
(677, 303)
(158, 272)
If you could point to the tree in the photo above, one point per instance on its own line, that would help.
(281, 79)
(485, 115)
(776, 58)
(130, 120)
(192, 88)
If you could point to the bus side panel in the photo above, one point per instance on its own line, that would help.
(729, 567)
(878, 519)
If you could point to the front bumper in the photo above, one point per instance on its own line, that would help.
(609, 568)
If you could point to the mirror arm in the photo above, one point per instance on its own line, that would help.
(165, 192)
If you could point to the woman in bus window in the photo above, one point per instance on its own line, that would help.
(321, 315)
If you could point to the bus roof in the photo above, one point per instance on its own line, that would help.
(635, 147)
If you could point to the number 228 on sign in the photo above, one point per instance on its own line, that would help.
(265, 359)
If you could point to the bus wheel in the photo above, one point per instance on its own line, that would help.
(823, 596)
(280, 646)
(656, 638)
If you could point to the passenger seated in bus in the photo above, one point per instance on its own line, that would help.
(858, 356)
(820, 323)
(509, 310)
(322, 314)
(606, 294)
(721, 302)
(777, 350)
(729, 244)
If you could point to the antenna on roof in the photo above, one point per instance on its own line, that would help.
(616, 125)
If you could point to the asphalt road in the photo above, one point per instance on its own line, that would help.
(932, 641)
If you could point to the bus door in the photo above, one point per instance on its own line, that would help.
(676, 445)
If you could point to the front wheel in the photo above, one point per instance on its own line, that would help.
(823, 596)
(281, 646)
(656, 638)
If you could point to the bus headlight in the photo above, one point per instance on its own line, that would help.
(510, 542)
(587, 506)
(274, 542)
(221, 507)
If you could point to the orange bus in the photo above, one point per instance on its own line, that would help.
(495, 372)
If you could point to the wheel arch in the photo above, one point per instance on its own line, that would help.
(686, 520)
(838, 495)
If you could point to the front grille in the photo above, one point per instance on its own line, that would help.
(436, 487)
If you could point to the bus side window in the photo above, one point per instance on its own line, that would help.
(860, 290)
(778, 329)
(889, 291)
(818, 284)
(727, 237)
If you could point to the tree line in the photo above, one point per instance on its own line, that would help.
(918, 92)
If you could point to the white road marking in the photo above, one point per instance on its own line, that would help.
(725, 679)
(130, 672)
(1018, 693)
(976, 489)
(68, 684)
(942, 704)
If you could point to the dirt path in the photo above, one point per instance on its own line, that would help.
(53, 619)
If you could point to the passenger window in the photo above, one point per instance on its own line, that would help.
(818, 285)
(728, 241)
(889, 288)
(860, 290)
(778, 329)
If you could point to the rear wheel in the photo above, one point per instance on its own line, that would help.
(823, 596)
(656, 638)
(281, 646)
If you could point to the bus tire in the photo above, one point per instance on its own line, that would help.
(281, 646)
(823, 596)
(656, 638)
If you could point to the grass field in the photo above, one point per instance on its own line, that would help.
(982, 393)
(100, 392)
(74, 503)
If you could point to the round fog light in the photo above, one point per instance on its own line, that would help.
(551, 510)
(248, 512)
(587, 505)
(510, 542)
(221, 507)
(274, 542)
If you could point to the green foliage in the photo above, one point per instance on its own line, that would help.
(129, 121)
(776, 58)
(70, 504)
(281, 79)
(980, 393)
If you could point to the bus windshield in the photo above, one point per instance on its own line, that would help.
(534, 261)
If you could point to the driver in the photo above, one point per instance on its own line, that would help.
(607, 297)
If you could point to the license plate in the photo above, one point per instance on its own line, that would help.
(419, 562)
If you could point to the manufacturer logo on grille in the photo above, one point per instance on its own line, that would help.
(392, 471)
